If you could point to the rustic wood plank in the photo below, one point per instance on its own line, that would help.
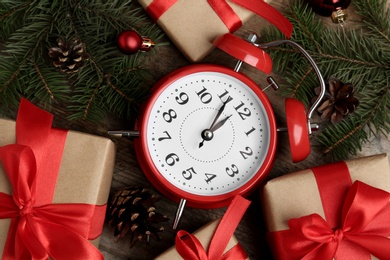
(251, 231)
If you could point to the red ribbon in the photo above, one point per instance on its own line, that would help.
(158, 7)
(189, 247)
(40, 229)
(362, 227)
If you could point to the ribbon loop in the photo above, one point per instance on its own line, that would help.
(189, 247)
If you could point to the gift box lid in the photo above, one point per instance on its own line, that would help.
(193, 25)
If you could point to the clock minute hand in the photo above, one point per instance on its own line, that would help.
(208, 134)
(220, 112)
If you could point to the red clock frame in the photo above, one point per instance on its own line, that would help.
(156, 178)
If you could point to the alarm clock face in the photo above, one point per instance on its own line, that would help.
(208, 133)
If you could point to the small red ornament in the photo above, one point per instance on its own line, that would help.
(333, 8)
(130, 42)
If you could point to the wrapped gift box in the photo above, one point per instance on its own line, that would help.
(215, 240)
(84, 176)
(204, 235)
(193, 25)
(323, 191)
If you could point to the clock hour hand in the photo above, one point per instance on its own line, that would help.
(208, 134)
(219, 124)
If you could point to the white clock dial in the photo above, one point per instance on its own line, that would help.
(221, 160)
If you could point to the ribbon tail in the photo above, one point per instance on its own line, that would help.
(27, 246)
(378, 246)
(269, 13)
(237, 252)
(322, 252)
(62, 243)
(226, 226)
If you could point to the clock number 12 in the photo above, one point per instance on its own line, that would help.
(244, 112)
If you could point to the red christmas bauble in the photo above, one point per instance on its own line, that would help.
(130, 42)
(334, 8)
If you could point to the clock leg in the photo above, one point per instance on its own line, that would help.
(179, 212)
(122, 133)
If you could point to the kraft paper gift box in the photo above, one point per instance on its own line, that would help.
(325, 197)
(192, 25)
(84, 176)
(215, 234)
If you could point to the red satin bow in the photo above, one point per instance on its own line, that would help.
(39, 230)
(365, 228)
(189, 247)
(227, 14)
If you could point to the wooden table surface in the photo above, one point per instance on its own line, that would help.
(251, 230)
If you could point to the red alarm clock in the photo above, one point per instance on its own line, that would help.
(208, 132)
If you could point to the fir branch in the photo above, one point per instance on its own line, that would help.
(90, 101)
(47, 87)
(355, 132)
(109, 82)
(299, 83)
(116, 89)
(13, 10)
(377, 23)
(360, 56)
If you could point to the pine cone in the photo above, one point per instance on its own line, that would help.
(338, 101)
(68, 57)
(132, 211)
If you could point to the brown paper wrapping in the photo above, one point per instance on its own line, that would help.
(204, 235)
(84, 177)
(295, 195)
(193, 25)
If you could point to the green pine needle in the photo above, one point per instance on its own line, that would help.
(110, 82)
(360, 56)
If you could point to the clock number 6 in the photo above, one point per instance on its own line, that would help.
(232, 171)
(171, 159)
(169, 116)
